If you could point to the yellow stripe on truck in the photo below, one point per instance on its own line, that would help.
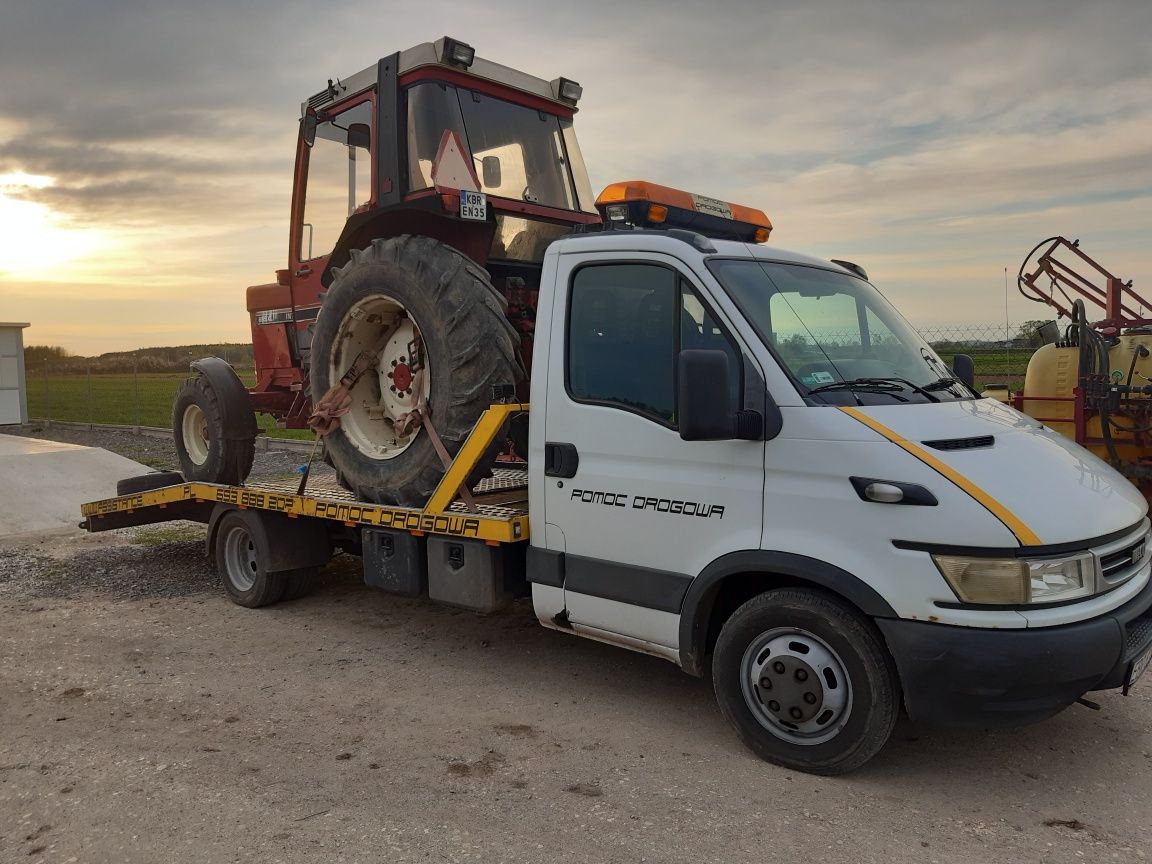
(1023, 533)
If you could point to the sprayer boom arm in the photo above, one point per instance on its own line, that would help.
(1064, 266)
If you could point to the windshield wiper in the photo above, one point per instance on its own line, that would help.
(885, 385)
(943, 383)
(864, 385)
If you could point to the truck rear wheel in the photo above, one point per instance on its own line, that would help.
(450, 343)
(806, 681)
(243, 564)
(208, 451)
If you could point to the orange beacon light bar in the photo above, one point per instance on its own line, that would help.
(640, 204)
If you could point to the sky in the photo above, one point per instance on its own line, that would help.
(146, 148)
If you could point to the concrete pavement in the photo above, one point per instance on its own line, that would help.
(43, 483)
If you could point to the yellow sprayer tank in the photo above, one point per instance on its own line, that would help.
(999, 392)
(1053, 371)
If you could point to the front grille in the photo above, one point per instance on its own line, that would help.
(1114, 563)
(961, 443)
(1122, 559)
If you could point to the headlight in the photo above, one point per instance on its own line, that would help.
(1062, 578)
(1016, 581)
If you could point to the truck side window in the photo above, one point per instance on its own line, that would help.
(622, 338)
(626, 326)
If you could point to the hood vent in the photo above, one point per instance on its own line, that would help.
(961, 443)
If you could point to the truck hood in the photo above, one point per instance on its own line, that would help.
(1050, 484)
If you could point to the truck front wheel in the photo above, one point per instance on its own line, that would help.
(806, 681)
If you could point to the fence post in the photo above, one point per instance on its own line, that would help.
(47, 396)
(136, 391)
(90, 407)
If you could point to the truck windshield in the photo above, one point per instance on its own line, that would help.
(518, 152)
(836, 335)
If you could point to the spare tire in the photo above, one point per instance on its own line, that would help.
(148, 482)
(451, 343)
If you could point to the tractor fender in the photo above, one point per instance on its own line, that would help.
(235, 408)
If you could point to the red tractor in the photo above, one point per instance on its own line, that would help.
(426, 190)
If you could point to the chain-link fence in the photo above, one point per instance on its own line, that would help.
(138, 389)
(86, 395)
(1000, 352)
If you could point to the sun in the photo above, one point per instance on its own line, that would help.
(34, 241)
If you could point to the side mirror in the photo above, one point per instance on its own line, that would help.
(308, 129)
(705, 409)
(360, 135)
(964, 369)
(490, 171)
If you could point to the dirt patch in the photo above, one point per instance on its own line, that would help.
(140, 708)
(516, 730)
(588, 790)
(485, 766)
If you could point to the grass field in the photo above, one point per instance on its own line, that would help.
(127, 399)
(995, 366)
(145, 399)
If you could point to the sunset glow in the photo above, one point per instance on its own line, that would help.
(34, 241)
(144, 184)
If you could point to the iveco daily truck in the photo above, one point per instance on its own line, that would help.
(744, 461)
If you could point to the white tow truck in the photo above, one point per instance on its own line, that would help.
(744, 461)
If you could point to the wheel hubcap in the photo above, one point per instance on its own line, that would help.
(240, 559)
(194, 431)
(401, 376)
(796, 686)
(397, 385)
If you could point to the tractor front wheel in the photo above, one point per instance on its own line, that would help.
(209, 451)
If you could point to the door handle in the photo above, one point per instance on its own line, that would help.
(560, 459)
(304, 271)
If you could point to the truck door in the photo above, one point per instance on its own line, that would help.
(644, 511)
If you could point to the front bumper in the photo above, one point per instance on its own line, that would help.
(971, 676)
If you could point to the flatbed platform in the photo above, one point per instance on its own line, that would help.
(501, 507)
(497, 513)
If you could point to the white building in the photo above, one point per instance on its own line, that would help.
(13, 388)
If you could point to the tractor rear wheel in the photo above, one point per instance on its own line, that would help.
(450, 343)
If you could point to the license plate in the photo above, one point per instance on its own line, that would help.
(473, 205)
(1139, 667)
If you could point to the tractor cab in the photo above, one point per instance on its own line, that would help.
(431, 141)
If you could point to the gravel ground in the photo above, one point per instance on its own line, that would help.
(145, 718)
(154, 451)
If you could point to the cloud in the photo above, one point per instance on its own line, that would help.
(942, 138)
